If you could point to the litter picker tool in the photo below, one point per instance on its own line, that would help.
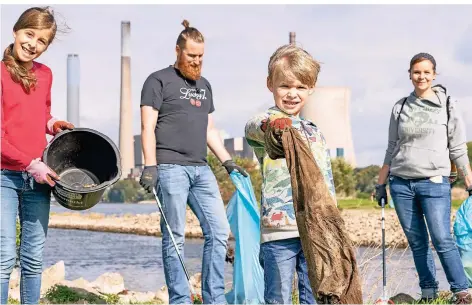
(384, 299)
(192, 292)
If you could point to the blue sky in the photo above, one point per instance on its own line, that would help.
(366, 48)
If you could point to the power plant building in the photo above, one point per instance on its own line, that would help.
(328, 108)
(239, 147)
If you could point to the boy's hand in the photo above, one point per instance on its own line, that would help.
(264, 125)
(281, 124)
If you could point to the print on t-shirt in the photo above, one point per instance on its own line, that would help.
(196, 96)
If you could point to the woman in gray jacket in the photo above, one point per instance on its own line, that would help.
(426, 133)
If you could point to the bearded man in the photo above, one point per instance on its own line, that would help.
(176, 127)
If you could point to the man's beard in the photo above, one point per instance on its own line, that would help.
(189, 70)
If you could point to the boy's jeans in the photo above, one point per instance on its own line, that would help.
(280, 259)
(196, 185)
(21, 194)
(416, 197)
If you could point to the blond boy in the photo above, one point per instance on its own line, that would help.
(292, 77)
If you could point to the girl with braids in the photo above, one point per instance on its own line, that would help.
(25, 180)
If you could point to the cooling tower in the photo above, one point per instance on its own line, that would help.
(328, 108)
(73, 89)
(126, 114)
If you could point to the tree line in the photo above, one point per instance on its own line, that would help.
(349, 182)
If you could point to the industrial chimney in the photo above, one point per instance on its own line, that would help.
(73, 89)
(126, 114)
(292, 37)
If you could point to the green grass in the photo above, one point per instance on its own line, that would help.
(111, 298)
(445, 297)
(59, 294)
(367, 204)
(436, 301)
(12, 301)
(295, 297)
(456, 203)
(356, 204)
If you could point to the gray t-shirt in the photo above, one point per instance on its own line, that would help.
(183, 105)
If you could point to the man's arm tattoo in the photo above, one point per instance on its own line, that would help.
(464, 171)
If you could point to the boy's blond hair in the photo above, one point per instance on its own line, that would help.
(293, 61)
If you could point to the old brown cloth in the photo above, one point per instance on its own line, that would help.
(328, 250)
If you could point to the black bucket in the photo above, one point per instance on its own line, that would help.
(87, 162)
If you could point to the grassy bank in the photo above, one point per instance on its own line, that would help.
(59, 294)
(367, 204)
(65, 295)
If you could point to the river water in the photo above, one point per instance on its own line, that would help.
(139, 259)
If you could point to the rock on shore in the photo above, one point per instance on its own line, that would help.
(106, 284)
(363, 225)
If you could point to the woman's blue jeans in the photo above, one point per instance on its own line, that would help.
(21, 195)
(423, 205)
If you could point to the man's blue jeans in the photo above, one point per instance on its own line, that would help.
(280, 259)
(196, 185)
(22, 195)
(423, 205)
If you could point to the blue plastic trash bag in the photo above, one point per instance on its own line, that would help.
(463, 236)
(244, 220)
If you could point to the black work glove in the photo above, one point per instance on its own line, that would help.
(149, 178)
(381, 193)
(231, 166)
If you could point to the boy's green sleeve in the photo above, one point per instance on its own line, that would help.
(253, 132)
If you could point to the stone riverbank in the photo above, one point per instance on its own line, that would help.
(364, 226)
(107, 288)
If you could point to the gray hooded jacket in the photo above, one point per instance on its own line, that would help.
(421, 142)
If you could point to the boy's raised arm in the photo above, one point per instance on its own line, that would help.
(253, 132)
